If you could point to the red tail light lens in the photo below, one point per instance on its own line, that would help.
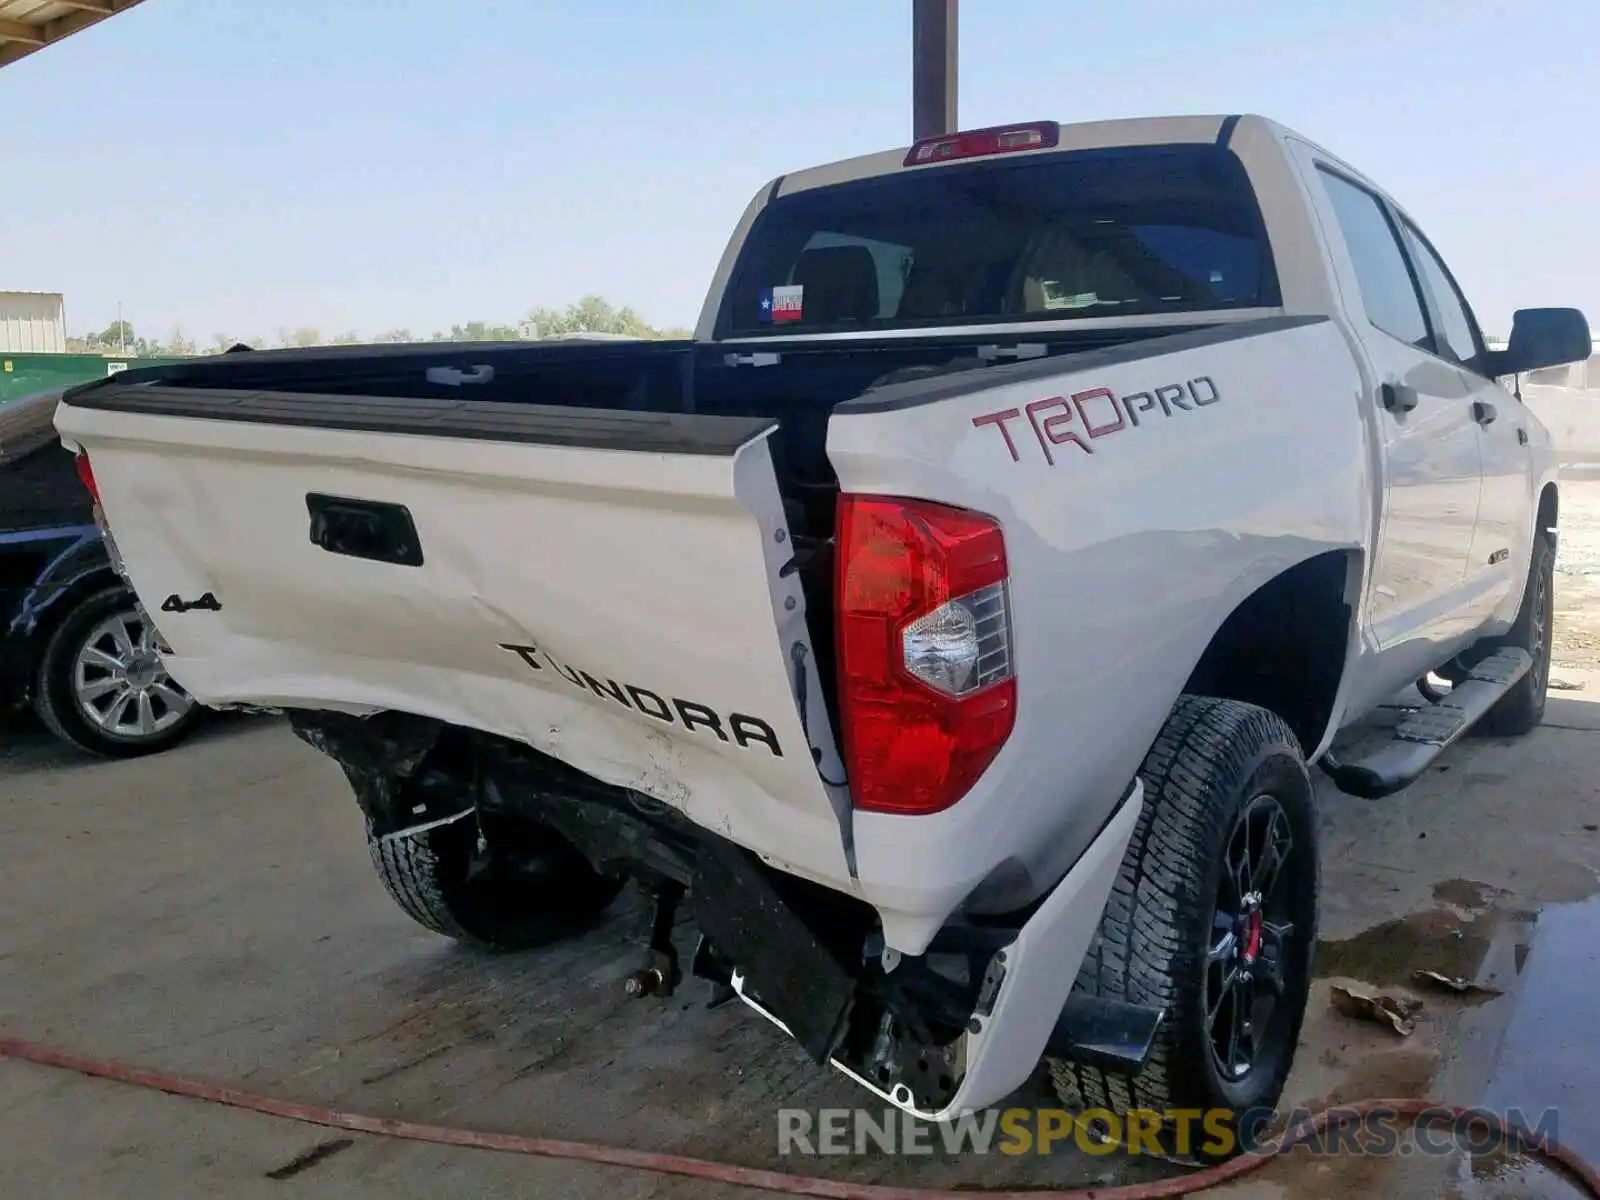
(927, 683)
(86, 474)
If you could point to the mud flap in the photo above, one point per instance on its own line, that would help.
(739, 908)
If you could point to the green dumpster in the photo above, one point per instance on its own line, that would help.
(24, 374)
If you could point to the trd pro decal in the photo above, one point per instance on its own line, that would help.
(1087, 416)
(739, 729)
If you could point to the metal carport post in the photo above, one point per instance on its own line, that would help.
(30, 25)
(933, 67)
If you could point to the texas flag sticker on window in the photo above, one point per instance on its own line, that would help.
(782, 303)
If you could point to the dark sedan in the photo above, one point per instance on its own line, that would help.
(73, 641)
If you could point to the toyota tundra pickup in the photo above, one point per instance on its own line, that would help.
(949, 624)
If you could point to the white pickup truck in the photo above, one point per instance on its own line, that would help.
(950, 622)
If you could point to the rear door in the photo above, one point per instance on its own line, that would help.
(1431, 457)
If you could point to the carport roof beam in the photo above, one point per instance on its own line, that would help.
(30, 25)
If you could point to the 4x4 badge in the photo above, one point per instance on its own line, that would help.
(206, 603)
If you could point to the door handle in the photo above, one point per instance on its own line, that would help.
(364, 529)
(1483, 412)
(1398, 398)
(455, 377)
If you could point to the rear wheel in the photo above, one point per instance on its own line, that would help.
(532, 889)
(102, 685)
(1213, 918)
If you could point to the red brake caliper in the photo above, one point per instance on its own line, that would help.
(1252, 942)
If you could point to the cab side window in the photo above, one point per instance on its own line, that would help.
(1388, 292)
(1456, 337)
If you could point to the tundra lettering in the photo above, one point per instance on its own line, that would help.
(741, 729)
(1009, 693)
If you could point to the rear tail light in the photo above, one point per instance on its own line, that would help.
(927, 680)
(86, 477)
(976, 143)
(86, 474)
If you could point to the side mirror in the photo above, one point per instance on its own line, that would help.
(1543, 337)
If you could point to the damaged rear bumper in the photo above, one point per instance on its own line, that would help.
(938, 1034)
(1017, 1019)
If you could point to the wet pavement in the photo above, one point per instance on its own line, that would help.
(1550, 1057)
(1544, 965)
(1469, 937)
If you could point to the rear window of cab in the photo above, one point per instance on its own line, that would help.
(1091, 233)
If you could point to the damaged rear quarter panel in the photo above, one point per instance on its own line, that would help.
(1136, 518)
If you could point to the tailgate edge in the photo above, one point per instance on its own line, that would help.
(480, 420)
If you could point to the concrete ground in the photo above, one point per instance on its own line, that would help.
(1578, 578)
(212, 911)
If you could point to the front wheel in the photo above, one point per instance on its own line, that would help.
(1213, 918)
(102, 686)
(1521, 709)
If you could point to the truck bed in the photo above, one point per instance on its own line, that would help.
(796, 384)
(621, 556)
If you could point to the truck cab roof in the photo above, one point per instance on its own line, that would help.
(1087, 135)
(1222, 184)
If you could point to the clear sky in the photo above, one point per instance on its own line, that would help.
(239, 166)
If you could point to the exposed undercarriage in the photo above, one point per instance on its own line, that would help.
(808, 957)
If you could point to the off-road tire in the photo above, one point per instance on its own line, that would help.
(439, 881)
(1521, 709)
(53, 698)
(1210, 760)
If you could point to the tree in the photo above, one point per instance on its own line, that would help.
(591, 314)
(118, 333)
(480, 331)
(595, 314)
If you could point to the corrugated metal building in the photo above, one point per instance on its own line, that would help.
(33, 323)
